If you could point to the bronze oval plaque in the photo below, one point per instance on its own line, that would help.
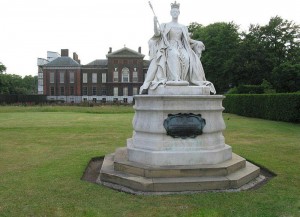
(184, 125)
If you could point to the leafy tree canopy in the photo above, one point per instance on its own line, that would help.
(234, 58)
(2, 68)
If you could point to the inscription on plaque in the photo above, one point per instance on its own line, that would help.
(184, 125)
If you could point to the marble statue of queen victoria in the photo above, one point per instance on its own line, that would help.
(174, 56)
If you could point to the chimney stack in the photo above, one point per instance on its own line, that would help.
(110, 50)
(75, 56)
(140, 50)
(64, 52)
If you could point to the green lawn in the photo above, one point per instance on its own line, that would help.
(44, 151)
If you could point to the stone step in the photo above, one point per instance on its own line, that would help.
(243, 176)
(119, 180)
(222, 169)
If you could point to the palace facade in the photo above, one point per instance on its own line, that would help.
(116, 78)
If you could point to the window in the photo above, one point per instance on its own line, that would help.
(94, 91)
(72, 77)
(134, 76)
(40, 75)
(125, 100)
(125, 75)
(40, 82)
(125, 91)
(104, 100)
(62, 91)
(134, 91)
(62, 77)
(116, 75)
(71, 90)
(84, 78)
(103, 77)
(94, 78)
(103, 92)
(116, 91)
(94, 100)
(52, 91)
(51, 77)
(84, 90)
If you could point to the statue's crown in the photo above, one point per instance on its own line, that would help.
(175, 5)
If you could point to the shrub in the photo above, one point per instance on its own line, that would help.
(279, 107)
(250, 89)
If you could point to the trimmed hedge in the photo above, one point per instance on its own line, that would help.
(278, 107)
(10, 99)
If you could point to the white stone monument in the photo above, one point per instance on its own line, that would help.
(177, 143)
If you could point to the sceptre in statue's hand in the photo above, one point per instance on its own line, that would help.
(155, 21)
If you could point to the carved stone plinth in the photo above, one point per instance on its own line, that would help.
(150, 143)
(161, 158)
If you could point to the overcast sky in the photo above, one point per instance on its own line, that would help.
(30, 28)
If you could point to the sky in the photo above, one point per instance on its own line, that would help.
(30, 28)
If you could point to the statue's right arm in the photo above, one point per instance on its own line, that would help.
(156, 29)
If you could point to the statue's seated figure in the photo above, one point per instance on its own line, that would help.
(174, 56)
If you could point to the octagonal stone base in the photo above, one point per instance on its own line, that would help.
(119, 173)
(153, 161)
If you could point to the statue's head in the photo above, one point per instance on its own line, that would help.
(175, 9)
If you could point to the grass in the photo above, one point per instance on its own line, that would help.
(44, 151)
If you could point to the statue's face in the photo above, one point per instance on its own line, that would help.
(175, 12)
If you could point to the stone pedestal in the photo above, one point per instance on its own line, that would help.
(179, 164)
(151, 145)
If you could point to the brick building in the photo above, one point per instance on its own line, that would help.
(117, 78)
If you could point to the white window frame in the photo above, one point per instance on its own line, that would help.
(52, 77)
(135, 76)
(94, 78)
(61, 77)
(84, 78)
(125, 75)
(116, 91)
(116, 76)
(103, 77)
(72, 77)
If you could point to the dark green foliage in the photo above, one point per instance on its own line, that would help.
(2, 68)
(286, 77)
(250, 89)
(279, 107)
(221, 41)
(15, 84)
(264, 87)
(270, 52)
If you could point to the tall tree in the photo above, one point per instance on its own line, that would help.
(266, 48)
(15, 84)
(221, 41)
(2, 68)
(286, 77)
(251, 59)
(281, 39)
(30, 84)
